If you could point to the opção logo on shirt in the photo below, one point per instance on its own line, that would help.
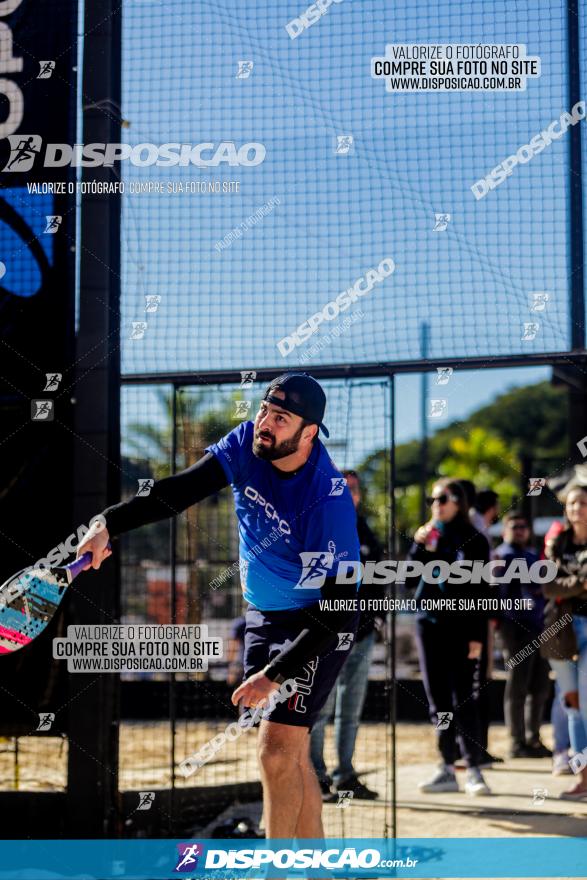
(270, 511)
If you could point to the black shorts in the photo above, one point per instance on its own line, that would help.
(266, 634)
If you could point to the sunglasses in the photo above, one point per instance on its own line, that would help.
(442, 499)
(518, 527)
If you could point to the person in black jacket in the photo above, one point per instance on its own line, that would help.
(347, 699)
(451, 623)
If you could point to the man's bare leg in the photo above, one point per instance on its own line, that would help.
(288, 786)
(310, 816)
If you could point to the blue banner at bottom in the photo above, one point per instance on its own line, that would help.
(351, 857)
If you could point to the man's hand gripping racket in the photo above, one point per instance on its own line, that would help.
(30, 598)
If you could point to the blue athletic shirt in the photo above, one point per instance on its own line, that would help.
(279, 518)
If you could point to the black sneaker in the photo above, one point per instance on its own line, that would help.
(360, 791)
(520, 750)
(487, 761)
(537, 749)
(325, 783)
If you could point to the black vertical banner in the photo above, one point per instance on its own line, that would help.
(38, 97)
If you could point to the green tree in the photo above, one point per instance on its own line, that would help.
(483, 457)
(529, 421)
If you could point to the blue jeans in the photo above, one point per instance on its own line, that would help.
(571, 675)
(346, 701)
(560, 722)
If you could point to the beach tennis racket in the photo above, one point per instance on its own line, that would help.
(29, 599)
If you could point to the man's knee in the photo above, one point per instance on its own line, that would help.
(275, 759)
(279, 750)
(571, 699)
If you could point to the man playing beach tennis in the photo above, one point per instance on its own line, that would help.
(296, 523)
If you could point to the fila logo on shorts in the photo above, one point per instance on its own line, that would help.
(304, 687)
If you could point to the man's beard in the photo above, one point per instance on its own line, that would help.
(273, 451)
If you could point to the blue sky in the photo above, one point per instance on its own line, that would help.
(414, 155)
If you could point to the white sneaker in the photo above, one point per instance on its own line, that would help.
(560, 764)
(475, 784)
(443, 780)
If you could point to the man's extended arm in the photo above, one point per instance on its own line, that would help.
(168, 496)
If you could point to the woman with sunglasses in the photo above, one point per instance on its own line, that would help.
(450, 641)
(566, 651)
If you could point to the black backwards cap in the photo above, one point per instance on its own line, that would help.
(303, 396)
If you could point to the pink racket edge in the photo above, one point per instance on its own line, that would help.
(71, 571)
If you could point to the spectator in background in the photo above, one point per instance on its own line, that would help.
(470, 494)
(485, 512)
(486, 662)
(347, 698)
(558, 718)
(567, 650)
(528, 684)
(450, 643)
